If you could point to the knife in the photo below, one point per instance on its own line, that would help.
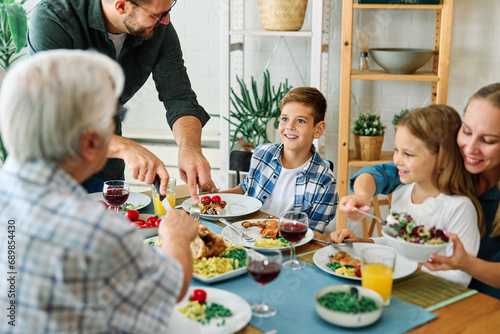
(163, 199)
(329, 243)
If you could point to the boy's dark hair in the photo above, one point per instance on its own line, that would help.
(309, 96)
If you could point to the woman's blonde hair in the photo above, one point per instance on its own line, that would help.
(437, 126)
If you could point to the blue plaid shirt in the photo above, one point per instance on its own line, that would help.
(78, 268)
(315, 186)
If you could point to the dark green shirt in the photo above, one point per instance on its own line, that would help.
(79, 24)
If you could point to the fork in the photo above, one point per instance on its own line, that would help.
(241, 233)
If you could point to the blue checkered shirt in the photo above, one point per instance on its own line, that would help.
(315, 186)
(78, 268)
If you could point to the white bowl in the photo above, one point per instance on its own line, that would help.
(412, 251)
(350, 320)
(401, 60)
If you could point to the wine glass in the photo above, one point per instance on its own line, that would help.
(263, 266)
(293, 227)
(115, 193)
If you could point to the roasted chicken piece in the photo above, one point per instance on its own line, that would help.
(213, 209)
(207, 243)
(268, 228)
(345, 259)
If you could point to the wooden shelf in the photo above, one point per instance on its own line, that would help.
(438, 78)
(383, 75)
(270, 33)
(385, 156)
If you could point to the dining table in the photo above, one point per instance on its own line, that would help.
(420, 302)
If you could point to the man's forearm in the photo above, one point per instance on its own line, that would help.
(187, 132)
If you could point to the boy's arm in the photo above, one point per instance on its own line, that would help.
(324, 205)
(236, 190)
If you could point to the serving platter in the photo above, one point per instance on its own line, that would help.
(237, 206)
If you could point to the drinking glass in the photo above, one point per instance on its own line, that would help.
(170, 195)
(115, 193)
(293, 227)
(263, 266)
(377, 270)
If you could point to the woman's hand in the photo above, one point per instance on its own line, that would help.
(458, 260)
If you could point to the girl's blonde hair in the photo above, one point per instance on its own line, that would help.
(437, 126)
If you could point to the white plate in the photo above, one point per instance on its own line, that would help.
(242, 313)
(138, 200)
(237, 206)
(232, 236)
(404, 267)
(218, 278)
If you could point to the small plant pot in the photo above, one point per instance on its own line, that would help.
(368, 147)
(282, 15)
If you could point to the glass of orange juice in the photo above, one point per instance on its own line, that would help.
(158, 206)
(377, 270)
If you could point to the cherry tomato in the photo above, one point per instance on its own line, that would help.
(103, 203)
(205, 200)
(132, 215)
(216, 199)
(151, 220)
(112, 208)
(139, 222)
(199, 295)
(158, 221)
(357, 270)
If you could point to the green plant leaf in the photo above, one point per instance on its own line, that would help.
(18, 24)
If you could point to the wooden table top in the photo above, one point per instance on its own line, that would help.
(478, 313)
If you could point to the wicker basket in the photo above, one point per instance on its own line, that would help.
(368, 147)
(282, 15)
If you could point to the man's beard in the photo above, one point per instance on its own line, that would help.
(135, 31)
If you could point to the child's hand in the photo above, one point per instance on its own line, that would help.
(339, 236)
(348, 204)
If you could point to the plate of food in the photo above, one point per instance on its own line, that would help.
(265, 232)
(215, 206)
(135, 201)
(215, 259)
(225, 312)
(344, 263)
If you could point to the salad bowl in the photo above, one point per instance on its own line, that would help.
(411, 251)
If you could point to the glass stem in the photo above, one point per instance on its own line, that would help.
(292, 258)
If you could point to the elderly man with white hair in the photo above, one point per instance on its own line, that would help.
(72, 266)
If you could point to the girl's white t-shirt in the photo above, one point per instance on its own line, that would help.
(282, 197)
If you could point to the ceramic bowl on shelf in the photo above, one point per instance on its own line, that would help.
(401, 60)
(350, 320)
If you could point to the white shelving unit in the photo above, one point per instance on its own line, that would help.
(232, 45)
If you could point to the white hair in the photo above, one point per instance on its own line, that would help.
(48, 101)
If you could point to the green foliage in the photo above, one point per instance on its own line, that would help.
(368, 124)
(250, 112)
(399, 115)
(13, 28)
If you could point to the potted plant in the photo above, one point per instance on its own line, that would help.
(368, 132)
(13, 28)
(252, 116)
(399, 115)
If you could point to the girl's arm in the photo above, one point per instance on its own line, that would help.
(484, 271)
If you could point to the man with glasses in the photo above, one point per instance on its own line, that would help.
(139, 35)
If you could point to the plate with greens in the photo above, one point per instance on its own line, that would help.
(321, 258)
(135, 201)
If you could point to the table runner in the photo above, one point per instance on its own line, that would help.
(293, 294)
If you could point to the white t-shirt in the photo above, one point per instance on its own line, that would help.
(282, 196)
(118, 40)
(455, 214)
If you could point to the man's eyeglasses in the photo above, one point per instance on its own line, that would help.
(158, 19)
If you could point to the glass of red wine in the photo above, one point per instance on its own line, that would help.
(263, 266)
(115, 193)
(293, 227)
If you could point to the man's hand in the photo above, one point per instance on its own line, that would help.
(194, 169)
(143, 164)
